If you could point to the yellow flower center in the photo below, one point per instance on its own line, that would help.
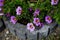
(49, 18)
(14, 19)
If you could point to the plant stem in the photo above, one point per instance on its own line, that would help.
(37, 4)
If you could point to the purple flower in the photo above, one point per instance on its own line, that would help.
(30, 9)
(30, 27)
(18, 10)
(1, 0)
(1, 4)
(13, 19)
(8, 15)
(40, 24)
(36, 21)
(54, 2)
(48, 19)
(36, 13)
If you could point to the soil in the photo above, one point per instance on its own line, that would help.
(23, 21)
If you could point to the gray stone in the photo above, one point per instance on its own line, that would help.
(20, 31)
(16, 29)
(12, 31)
(59, 25)
(1, 23)
(44, 30)
(32, 35)
(52, 25)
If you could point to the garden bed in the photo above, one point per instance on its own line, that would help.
(32, 19)
(21, 32)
